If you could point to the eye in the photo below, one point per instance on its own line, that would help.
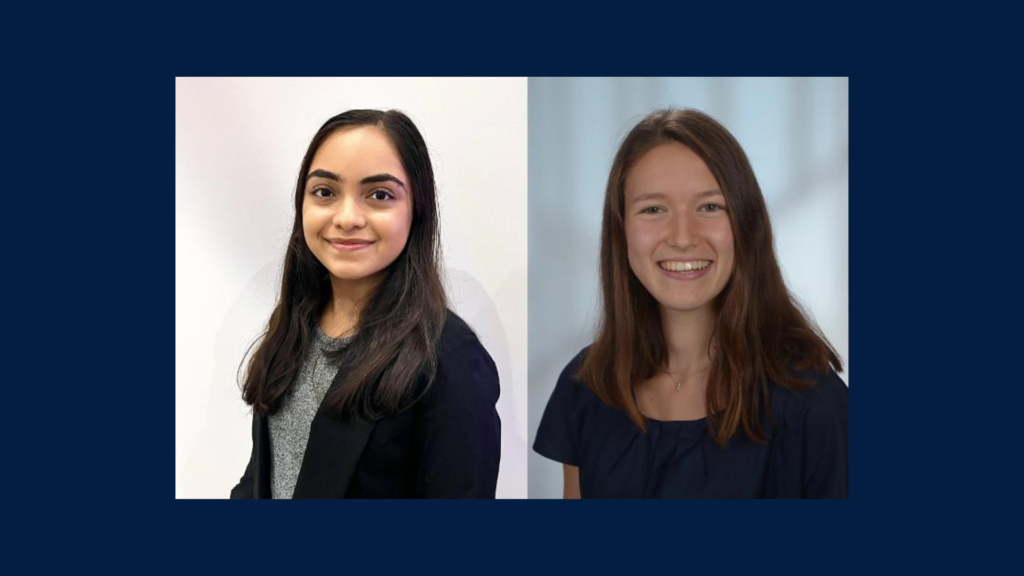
(322, 192)
(712, 208)
(382, 194)
(652, 210)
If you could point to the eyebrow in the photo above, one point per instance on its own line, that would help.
(660, 196)
(385, 177)
(382, 177)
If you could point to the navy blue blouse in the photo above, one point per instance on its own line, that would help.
(805, 457)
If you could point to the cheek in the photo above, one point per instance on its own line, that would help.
(312, 220)
(395, 224)
(722, 240)
(638, 247)
(640, 238)
(307, 223)
(632, 242)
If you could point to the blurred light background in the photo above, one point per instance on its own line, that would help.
(795, 132)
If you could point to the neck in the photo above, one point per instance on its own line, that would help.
(348, 298)
(687, 338)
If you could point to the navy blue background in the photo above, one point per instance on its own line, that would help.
(89, 131)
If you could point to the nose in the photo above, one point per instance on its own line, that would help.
(349, 214)
(684, 233)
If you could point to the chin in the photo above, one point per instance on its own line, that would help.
(347, 274)
(356, 275)
(683, 305)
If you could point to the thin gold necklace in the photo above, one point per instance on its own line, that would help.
(679, 383)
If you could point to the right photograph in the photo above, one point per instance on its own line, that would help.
(688, 287)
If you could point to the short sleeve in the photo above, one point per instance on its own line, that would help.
(825, 439)
(558, 437)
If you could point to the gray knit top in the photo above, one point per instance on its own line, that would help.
(289, 425)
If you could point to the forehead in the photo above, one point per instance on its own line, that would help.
(670, 168)
(358, 151)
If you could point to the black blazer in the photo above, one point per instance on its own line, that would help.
(447, 445)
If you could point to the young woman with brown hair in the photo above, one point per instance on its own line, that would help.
(364, 384)
(705, 379)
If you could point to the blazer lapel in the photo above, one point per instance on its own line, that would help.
(332, 453)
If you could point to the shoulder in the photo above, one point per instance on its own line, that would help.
(569, 388)
(824, 405)
(815, 429)
(463, 364)
(573, 367)
(565, 416)
(455, 333)
(457, 338)
(567, 378)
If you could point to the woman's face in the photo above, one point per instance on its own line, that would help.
(357, 205)
(679, 239)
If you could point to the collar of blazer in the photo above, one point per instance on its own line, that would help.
(332, 453)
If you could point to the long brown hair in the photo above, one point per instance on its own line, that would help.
(761, 335)
(391, 360)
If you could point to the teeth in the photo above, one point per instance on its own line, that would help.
(685, 266)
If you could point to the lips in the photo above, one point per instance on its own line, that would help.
(684, 265)
(685, 270)
(349, 244)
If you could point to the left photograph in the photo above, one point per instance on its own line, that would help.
(350, 309)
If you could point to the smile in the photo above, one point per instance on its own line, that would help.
(689, 270)
(691, 266)
(349, 245)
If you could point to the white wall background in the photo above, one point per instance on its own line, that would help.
(795, 132)
(239, 144)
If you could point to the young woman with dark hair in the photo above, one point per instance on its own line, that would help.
(364, 384)
(705, 379)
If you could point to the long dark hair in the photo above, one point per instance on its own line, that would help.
(761, 335)
(391, 360)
